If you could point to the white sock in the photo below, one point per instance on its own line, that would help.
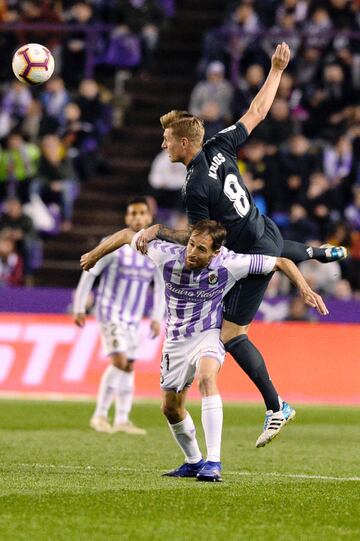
(108, 385)
(124, 397)
(185, 436)
(212, 420)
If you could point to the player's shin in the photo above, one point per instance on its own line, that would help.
(299, 252)
(212, 421)
(184, 433)
(108, 385)
(249, 358)
(124, 397)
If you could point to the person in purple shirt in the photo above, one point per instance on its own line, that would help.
(125, 276)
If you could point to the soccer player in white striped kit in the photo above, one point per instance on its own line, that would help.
(125, 276)
(197, 277)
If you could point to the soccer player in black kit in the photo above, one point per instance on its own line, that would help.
(214, 190)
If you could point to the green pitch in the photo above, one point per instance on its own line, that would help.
(60, 481)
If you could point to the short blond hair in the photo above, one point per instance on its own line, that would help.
(183, 124)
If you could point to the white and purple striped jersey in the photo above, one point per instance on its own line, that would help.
(125, 276)
(194, 297)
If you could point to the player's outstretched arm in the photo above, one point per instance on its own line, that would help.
(115, 241)
(82, 291)
(161, 232)
(263, 100)
(309, 296)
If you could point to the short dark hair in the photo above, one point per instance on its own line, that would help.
(137, 201)
(215, 229)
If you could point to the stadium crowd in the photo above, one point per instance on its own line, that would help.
(51, 136)
(301, 164)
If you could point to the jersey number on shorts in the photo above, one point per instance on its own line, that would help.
(167, 360)
(237, 195)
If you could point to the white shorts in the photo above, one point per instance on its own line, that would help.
(118, 337)
(180, 359)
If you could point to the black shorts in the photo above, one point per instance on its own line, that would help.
(243, 300)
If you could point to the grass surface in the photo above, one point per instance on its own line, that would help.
(59, 480)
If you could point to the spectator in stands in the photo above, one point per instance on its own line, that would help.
(213, 119)
(19, 227)
(278, 127)
(293, 95)
(11, 265)
(300, 228)
(166, 180)
(143, 17)
(93, 110)
(18, 165)
(286, 24)
(318, 29)
(342, 290)
(241, 31)
(298, 311)
(215, 89)
(340, 13)
(121, 51)
(298, 160)
(31, 124)
(247, 88)
(54, 99)
(56, 180)
(326, 100)
(338, 160)
(81, 141)
(307, 67)
(299, 8)
(75, 44)
(14, 105)
(322, 202)
(244, 17)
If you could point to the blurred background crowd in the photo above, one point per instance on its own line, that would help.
(302, 164)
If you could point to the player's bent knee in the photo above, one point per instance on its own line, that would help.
(119, 360)
(232, 330)
(130, 366)
(206, 381)
(172, 412)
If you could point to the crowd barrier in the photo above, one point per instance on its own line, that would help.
(47, 355)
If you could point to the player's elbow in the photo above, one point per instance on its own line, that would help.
(125, 236)
(259, 113)
(279, 264)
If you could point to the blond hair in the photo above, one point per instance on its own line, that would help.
(183, 124)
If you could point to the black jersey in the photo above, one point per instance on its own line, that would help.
(215, 190)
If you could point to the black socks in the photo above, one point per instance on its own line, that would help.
(251, 361)
(297, 252)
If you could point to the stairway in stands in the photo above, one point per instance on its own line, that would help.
(100, 206)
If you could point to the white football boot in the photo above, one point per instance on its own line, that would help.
(274, 422)
(100, 424)
(129, 428)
